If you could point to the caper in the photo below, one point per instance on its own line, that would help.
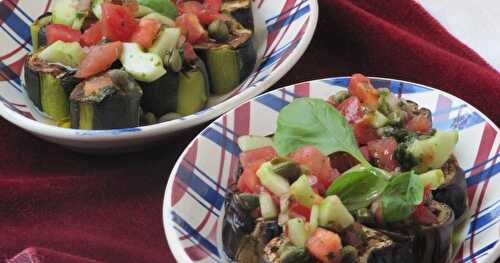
(169, 116)
(148, 119)
(341, 96)
(218, 30)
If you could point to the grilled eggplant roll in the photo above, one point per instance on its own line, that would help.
(231, 56)
(453, 190)
(48, 85)
(433, 243)
(108, 101)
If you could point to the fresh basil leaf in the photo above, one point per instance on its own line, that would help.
(307, 121)
(402, 194)
(359, 186)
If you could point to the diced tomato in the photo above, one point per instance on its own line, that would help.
(189, 54)
(191, 27)
(248, 181)
(419, 124)
(424, 215)
(361, 87)
(118, 24)
(310, 157)
(382, 151)
(327, 174)
(342, 161)
(92, 35)
(325, 246)
(376, 209)
(62, 32)
(146, 34)
(206, 13)
(364, 132)
(192, 7)
(297, 210)
(99, 59)
(213, 5)
(257, 155)
(351, 109)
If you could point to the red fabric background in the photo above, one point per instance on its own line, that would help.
(108, 208)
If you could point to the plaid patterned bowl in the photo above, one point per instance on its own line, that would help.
(194, 199)
(283, 30)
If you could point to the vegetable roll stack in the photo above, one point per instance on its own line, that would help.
(107, 101)
(230, 57)
(48, 85)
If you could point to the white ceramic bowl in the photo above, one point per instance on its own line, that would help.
(283, 30)
(193, 207)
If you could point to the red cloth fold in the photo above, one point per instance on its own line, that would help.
(108, 208)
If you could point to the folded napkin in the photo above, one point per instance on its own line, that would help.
(108, 208)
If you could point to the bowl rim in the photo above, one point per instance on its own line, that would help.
(178, 250)
(159, 129)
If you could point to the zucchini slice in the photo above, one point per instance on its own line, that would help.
(38, 34)
(108, 101)
(231, 62)
(48, 86)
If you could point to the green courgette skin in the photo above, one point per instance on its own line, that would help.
(40, 25)
(160, 96)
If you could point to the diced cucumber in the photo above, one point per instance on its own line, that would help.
(165, 42)
(297, 232)
(251, 142)
(268, 209)
(275, 183)
(96, 8)
(143, 11)
(314, 218)
(302, 192)
(433, 152)
(164, 7)
(378, 119)
(64, 12)
(143, 66)
(434, 178)
(79, 20)
(284, 205)
(68, 54)
(161, 18)
(333, 214)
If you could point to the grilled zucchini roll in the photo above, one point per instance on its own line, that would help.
(107, 101)
(49, 80)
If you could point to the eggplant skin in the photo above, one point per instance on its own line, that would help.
(453, 192)
(237, 223)
(32, 84)
(160, 96)
(433, 243)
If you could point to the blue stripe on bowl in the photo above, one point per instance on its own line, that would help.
(289, 19)
(194, 233)
(200, 187)
(222, 141)
(272, 101)
(483, 175)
